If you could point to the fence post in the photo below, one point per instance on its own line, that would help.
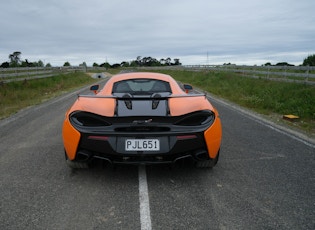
(307, 73)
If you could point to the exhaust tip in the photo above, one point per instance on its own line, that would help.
(83, 155)
(201, 155)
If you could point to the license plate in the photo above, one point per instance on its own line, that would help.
(142, 145)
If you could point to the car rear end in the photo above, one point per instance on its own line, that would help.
(142, 118)
(145, 139)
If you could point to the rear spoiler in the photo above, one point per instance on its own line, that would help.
(145, 97)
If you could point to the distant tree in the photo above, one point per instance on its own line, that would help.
(124, 64)
(5, 65)
(15, 58)
(40, 63)
(168, 61)
(105, 65)
(176, 61)
(66, 64)
(116, 65)
(83, 64)
(139, 61)
(133, 63)
(48, 65)
(149, 61)
(95, 64)
(267, 64)
(283, 64)
(310, 60)
(25, 63)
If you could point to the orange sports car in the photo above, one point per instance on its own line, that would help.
(142, 118)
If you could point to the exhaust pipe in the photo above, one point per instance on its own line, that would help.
(83, 155)
(201, 155)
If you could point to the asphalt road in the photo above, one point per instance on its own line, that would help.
(265, 179)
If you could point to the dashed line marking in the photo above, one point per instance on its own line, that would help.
(145, 216)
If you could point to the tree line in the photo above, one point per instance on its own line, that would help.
(145, 61)
(309, 61)
(15, 61)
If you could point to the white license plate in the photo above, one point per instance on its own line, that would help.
(142, 145)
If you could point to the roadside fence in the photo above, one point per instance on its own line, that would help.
(28, 73)
(298, 74)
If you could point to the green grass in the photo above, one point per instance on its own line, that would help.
(17, 95)
(261, 95)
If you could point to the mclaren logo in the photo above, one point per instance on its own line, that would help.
(142, 121)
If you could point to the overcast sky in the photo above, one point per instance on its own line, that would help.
(195, 31)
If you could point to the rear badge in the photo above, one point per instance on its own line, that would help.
(142, 121)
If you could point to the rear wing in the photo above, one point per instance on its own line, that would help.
(144, 97)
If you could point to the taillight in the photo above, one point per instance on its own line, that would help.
(186, 137)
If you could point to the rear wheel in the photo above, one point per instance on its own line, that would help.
(208, 163)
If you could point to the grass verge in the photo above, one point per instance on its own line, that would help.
(270, 98)
(15, 96)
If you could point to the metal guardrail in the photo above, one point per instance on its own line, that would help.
(297, 74)
(271, 67)
(284, 71)
(29, 73)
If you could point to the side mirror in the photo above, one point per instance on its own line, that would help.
(187, 87)
(94, 88)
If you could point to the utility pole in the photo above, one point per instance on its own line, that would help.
(207, 58)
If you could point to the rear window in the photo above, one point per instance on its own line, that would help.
(140, 86)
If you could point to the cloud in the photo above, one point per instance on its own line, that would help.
(196, 32)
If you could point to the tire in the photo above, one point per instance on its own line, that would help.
(208, 163)
(76, 164)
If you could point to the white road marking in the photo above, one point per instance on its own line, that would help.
(145, 217)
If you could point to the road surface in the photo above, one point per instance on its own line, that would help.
(265, 179)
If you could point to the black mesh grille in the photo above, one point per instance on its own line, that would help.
(88, 119)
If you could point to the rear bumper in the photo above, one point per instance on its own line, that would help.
(176, 142)
(85, 156)
(112, 149)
